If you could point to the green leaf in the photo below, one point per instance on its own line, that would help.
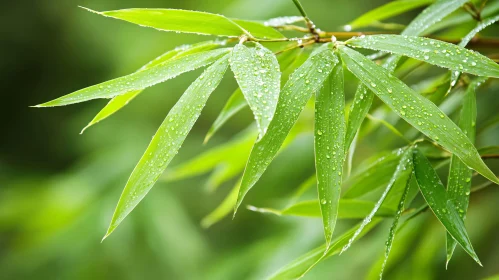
(348, 209)
(122, 100)
(418, 111)
(432, 51)
(393, 228)
(361, 104)
(388, 10)
(140, 80)
(402, 173)
(479, 27)
(329, 138)
(223, 155)
(237, 102)
(257, 72)
(459, 180)
(431, 15)
(223, 209)
(191, 22)
(303, 264)
(305, 81)
(373, 177)
(167, 140)
(444, 209)
(302, 188)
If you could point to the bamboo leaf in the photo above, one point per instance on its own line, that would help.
(140, 80)
(191, 22)
(303, 264)
(479, 27)
(432, 15)
(402, 173)
(393, 228)
(348, 209)
(388, 10)
(237, 102)
(257, 72)
(435, 52)
(459, 180)
(329, 141)
(167, 140)
(439, 202)
(306, 80)
(418, 111)
(120, 101)
(361, 104)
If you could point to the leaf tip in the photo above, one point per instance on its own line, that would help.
(90, 10)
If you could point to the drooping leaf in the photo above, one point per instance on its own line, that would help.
(329, 139)
(120, 101)
(358, 111)
(388, 10)
(280, 21)
(444, 209)
(348, 209)
(219, 155)
(479, 27)
(167, 140)
(223, 209)
(402, 173)
(191, 22)
(459, 180)
(303, 264)
(435, 52)
(257, 72)
(140, 80)
(430, 16)
(237, 102)
(393, 228)
(418, 111)
(306, 80)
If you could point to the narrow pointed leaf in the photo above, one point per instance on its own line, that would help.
(403, 173)
(358, 111)
(348, 209)
(388, 10)
(120, 101)
(237, 102)
(393, 227)
(257, 72)
(167, 140)
(191, 22)
(459, 180)
(440, 203)
(432, 15)
(435, 52)
(329, 138)
(418, 111)
(305, 81)
(303, 264)
(140, 80)
(479, 27)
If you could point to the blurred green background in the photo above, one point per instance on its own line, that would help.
(58, 189)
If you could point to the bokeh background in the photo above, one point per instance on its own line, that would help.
(58, 188)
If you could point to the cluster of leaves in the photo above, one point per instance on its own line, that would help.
(260, 72)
